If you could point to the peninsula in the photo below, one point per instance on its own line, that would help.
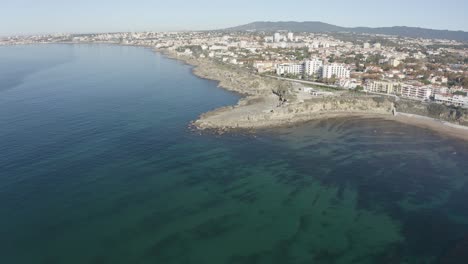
(269, 102)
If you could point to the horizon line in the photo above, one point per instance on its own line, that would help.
(220, 29)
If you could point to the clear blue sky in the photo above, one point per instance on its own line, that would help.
(44, 16)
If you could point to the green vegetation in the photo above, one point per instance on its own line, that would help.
(296, 54)
(291, 76)
(196, 49)
(359, 88)
(446, 58)
(446, 46)
(283, 90)
(374, 59)
(436, 110)
(329, 81)
(460, 93)
(426, 81)
(457, 79)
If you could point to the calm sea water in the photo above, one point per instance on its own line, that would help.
(98, 165)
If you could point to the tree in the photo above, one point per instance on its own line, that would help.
(464, 82)
(436, 110)
(333, 79)
(460, 93)
(426, 81)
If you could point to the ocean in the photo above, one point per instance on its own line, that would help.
(98, 164)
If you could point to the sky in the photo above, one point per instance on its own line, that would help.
(88, 16)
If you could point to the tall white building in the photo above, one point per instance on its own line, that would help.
(340, 71)
(290, 68)
(278, 37)
(313, 67)
(291, 36)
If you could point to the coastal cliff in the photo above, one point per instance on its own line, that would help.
(267, 113)
(230, 77)
(269, 102)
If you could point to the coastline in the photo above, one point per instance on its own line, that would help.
(258, 107)
(438, 126)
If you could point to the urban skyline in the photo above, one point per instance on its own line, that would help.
(29, 17)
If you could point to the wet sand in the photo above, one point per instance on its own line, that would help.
(436, 125)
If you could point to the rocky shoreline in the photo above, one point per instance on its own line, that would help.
(268, 103)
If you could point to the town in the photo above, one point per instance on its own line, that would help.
(426, 70)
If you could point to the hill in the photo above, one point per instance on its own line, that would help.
(320, 27)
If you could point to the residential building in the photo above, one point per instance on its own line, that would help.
(336, 70)
(438, 89)
(313, 67)
(387, 87)
(450, 99)
(415, 92)
(278, 37)
(291, 36)
(290, 68)
(264, 66)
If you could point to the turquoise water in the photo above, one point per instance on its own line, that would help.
(98, 165)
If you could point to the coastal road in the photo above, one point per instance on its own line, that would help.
(305, 82)
(329, 86)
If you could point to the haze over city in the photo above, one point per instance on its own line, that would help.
(87, 16)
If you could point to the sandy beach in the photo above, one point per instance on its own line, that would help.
(438, 126)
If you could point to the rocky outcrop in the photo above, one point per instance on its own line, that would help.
(268, 114)
(230, 77)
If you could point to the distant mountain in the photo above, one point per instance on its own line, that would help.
(320, 27)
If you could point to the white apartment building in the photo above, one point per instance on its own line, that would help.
(438, 89)
(340, 71)
(416, 92)
(290, 68)
(291, 36)
(278, 37)
(387, 87)
(450, 99)
(313, 67)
